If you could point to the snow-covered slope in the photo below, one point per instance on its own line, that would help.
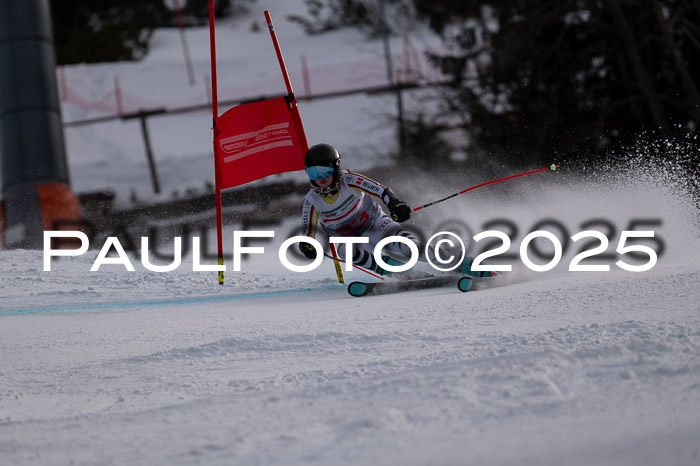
(569, 368)
(276, 367)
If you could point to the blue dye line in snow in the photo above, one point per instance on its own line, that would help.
(154, 303)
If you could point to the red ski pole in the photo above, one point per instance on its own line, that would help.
(551, 167)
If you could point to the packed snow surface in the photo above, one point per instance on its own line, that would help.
(278, 367)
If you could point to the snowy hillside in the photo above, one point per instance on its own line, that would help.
(110, 155)
(285, 368)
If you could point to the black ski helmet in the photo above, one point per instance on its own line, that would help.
(324, 155)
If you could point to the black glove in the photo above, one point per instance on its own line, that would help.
(308, 250)
(400, 211)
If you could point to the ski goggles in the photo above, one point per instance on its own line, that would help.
(319, 172)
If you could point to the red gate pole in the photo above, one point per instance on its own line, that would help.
(291, 100)
(217, 169)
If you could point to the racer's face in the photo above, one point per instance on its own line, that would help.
(324, 182)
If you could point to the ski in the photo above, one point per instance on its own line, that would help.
(464, 284)
(358, 289)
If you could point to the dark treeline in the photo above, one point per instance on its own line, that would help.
(89, 31)
(570, 79)
(529, 81)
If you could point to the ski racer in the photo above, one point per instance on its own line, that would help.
(340, 202)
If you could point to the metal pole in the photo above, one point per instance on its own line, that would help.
(387, 45)
(390, 75)
(149, 151)
(183, 39)
(305, 74)
(35, 181)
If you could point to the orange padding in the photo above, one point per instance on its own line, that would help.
(60, 207)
